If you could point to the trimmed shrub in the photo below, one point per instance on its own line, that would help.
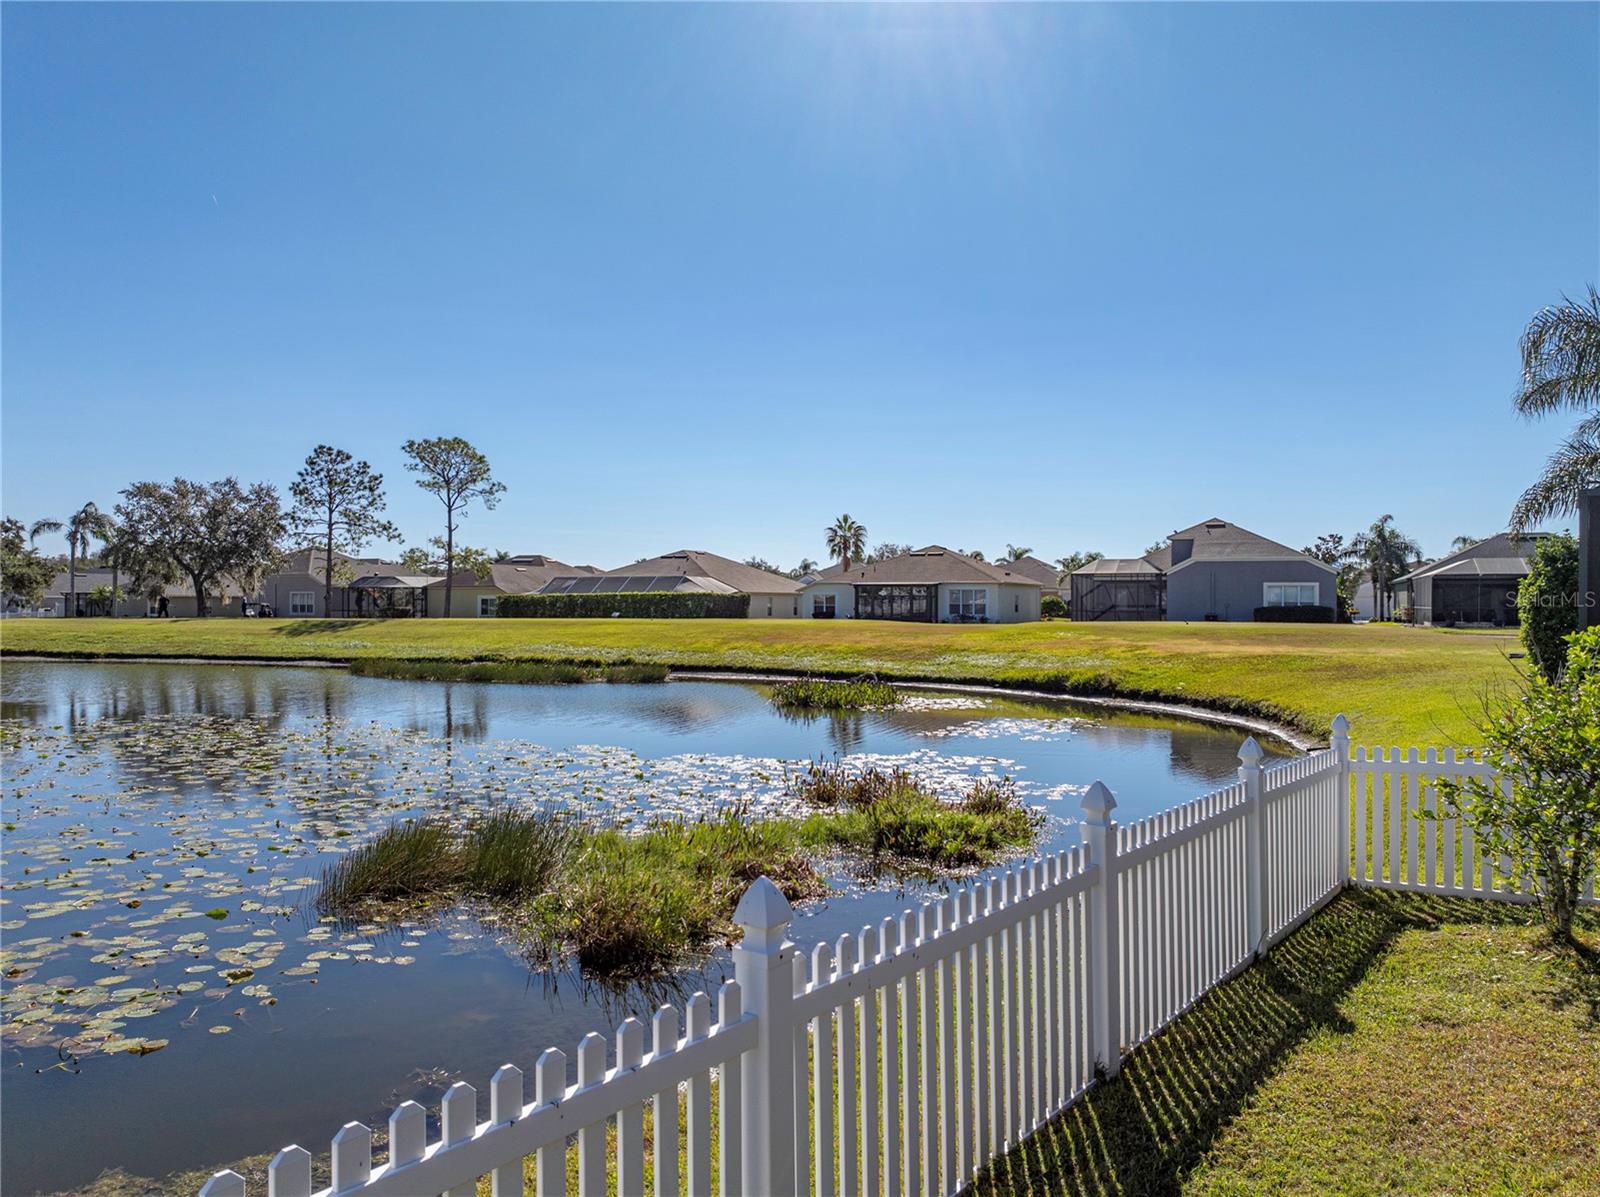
(1051, 606)
(1547, 603)
(1294, 615)
(645, 604)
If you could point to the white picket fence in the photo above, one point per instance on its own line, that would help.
(901, 1059)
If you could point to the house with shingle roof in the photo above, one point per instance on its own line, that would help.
(1042, 572)
(690, 571)
(1211, 571)
(928, 585)
(1477, 585)
(474, 597)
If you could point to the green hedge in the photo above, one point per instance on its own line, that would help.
(643, 604)
(1290, 614)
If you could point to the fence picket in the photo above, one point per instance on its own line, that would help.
(697, 1105)
(910, 1107)
(845, 1039)
(730, 1008)
(889, 1016)
(822, 1079)
(630, 1119)
(289, 1174)
(505, 1105)
(550, 1086)
(592, 1138)
(867, 1036)
(664, 1107)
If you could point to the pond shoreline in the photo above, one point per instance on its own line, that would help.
(1291, 736)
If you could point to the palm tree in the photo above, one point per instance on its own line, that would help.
(1385, 553)
(847, 540)
(1016, 552)
(84, 524)
(39, 527)
(1463, 542)
(1561, 369)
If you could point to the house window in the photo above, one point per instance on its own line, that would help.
(488, 605)
(824, 606)
(769, 608)
(302, 602)
(1291, 594)
(968, 605)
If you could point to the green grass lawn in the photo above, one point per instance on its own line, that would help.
(1395, 1044)
(1397, 684)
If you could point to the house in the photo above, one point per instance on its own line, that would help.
(1478, 585)
(1213, 570)
(929, 585)
(297, 587)
(473, 597)
(223, 597)
(1042, 572)
(691, 571)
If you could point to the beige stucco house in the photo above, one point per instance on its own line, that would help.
(929, 585)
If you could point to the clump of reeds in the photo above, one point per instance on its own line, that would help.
(818, 694)
(638, 903)
(889, 814)
(508, 854)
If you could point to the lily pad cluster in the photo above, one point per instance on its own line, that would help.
(157, 870)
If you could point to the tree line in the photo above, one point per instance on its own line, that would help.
(162, 534)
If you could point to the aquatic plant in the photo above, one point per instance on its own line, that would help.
(514, 854)
(819, 694)
(405, 860)
(887, 813)
(544, 673)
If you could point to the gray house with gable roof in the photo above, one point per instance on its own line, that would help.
(1211, 571)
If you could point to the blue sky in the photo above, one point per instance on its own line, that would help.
(708, 276)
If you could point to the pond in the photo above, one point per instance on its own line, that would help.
(170, 1003)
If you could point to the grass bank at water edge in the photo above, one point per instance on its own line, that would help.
(1398, 685)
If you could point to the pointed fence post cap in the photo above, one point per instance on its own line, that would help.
(1098, 802)
(1341, 726)
(1250, 752)
(763, 907)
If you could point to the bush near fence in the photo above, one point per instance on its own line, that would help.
(646, 604)
(1287, 614)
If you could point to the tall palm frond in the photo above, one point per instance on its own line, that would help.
(1561, 358)
(39, 527)
(1570, 470)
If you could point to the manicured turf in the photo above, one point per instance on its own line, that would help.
(1394, 1045)
(1397, 684)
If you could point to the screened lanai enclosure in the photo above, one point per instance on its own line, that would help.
(1118, 590)
(388, 596)
(915, 604)
(1490, 601)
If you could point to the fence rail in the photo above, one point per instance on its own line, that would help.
(901, 1059)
